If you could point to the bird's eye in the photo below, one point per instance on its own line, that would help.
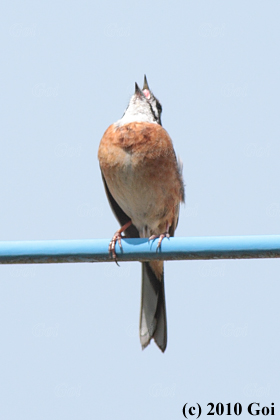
(159, 107)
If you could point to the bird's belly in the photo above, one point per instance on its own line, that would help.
(141, 191)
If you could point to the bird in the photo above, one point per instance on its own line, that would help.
(144, 185)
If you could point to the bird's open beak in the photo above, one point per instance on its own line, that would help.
(138, 91)
(146, 89)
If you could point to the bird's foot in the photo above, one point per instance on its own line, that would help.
(117, 238)
(161, 236)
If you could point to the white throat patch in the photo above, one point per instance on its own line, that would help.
(138, 110)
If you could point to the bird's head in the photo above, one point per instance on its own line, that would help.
(143, 107)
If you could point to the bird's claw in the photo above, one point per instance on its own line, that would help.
(161, 237)
(112, 245)
(117, 237)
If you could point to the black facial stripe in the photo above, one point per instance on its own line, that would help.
(159, 107)
(153, 112)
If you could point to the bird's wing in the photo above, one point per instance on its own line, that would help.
(131, 231)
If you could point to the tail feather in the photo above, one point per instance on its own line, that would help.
(153, 322)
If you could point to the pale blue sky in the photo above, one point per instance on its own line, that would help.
(69, 333)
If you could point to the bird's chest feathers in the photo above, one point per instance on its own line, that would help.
(127, 148)
(136, 161)
(135, 154)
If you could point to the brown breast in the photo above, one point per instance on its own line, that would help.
(141, 171)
